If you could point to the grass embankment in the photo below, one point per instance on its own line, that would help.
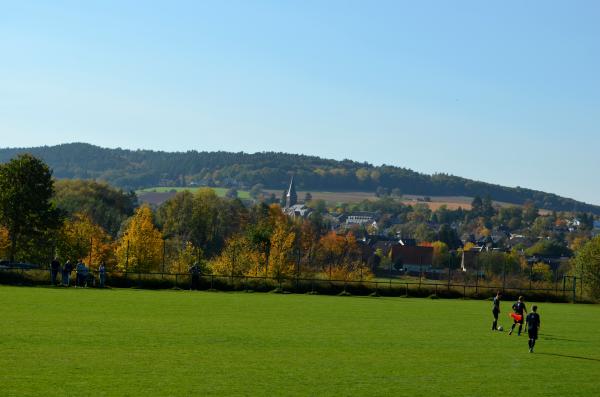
(135, 342)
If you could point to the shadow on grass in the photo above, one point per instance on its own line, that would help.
(552, 337)
(567, 356)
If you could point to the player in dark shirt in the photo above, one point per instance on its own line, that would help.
(496, 311)
(519, 309)
(533, 325)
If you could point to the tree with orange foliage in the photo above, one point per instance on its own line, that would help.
(4, 242)
(340, 255)
(141, 246)
(81, 239)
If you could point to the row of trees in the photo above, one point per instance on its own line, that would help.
(40, 218)
(98, 224)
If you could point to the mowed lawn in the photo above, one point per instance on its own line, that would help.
(134, 342)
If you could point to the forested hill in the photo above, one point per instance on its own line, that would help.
(144, 168)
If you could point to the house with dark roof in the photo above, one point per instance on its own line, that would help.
(413, 259)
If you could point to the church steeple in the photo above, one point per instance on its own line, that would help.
(291, 198)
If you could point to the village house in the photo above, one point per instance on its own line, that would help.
(413, 260)
(362, 218)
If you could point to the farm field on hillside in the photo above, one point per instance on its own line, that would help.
(58, 342)
(220, 191)
(157, 195)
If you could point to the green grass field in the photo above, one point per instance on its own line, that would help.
(135, 342)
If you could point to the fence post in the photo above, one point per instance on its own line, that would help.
(91, 249)
(127, 259)
(163, 258)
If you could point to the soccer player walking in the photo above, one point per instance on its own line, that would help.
(496, 311)
(518, 313)
(533, 325)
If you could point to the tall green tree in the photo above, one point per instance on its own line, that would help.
(105, 205)
(26, 188)
(587, 265)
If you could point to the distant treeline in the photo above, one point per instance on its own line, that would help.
(137, 169)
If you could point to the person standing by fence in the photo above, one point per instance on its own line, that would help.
(81, 274)
(195, 272)
(54, 268)
(66, 273)
(102, 274)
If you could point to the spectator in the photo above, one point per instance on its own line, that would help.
(102, 274)
(81, 274)
(195, 272)
(54, 268)
(66, 273)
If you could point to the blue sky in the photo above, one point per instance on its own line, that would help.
(508, 93)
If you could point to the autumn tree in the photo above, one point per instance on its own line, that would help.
(186, 257)
(141, 246)
(441, 254)
(4, 242)
(235, 259)
(341, 258)
(281, 252)
(81, 238)
(541, 271)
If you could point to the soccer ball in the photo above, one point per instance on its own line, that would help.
(500, 328)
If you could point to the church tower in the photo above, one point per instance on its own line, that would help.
(291, 198)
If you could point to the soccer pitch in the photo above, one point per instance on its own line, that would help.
(59, 342)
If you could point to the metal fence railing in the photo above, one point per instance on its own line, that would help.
(299, 283)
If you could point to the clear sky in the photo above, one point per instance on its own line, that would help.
(507, 93)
